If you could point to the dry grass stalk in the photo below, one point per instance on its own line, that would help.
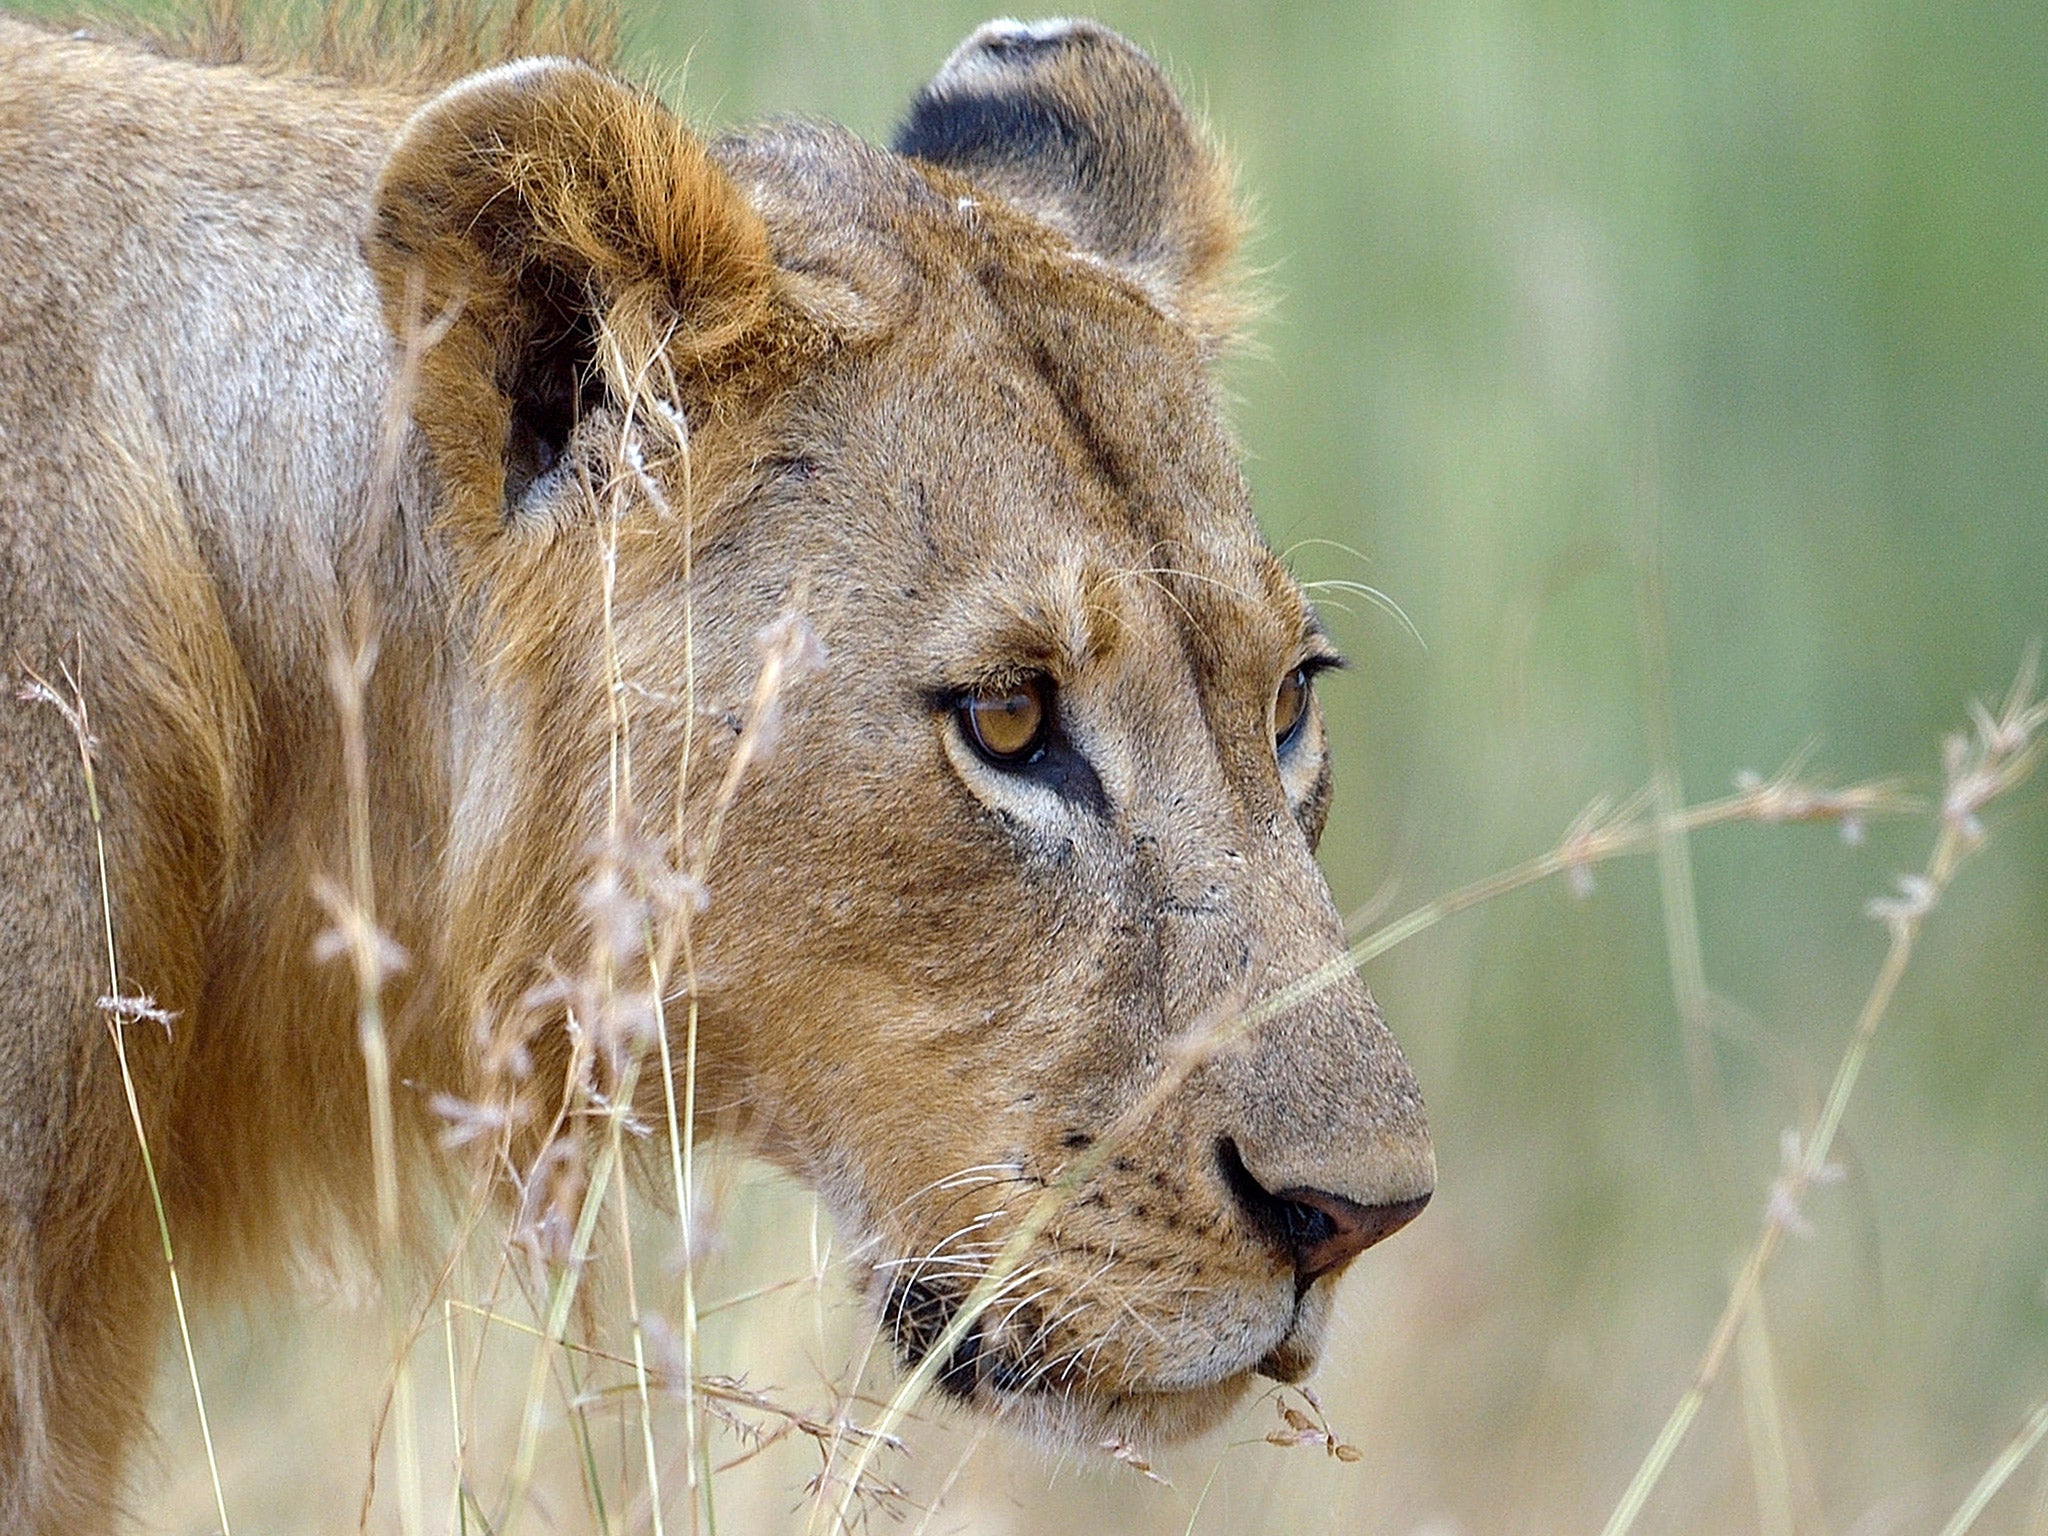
(120, 1009)
(1310, 1427)
(1990, 760)
(2037, 1518)
(724, 1390)
(621, 788)
(639, 900)
(1762, 1413)
(373, 955)
(2002, 1467)
(1763, 1422)
(400, 42)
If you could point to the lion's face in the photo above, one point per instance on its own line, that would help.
(997, 939)
(1048, 816)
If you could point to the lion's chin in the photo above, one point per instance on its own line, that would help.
(1144, 1419)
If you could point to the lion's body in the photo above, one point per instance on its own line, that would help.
(201, 478)
(164, 314)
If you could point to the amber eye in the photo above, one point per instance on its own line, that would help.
(1007, 728)
(1290, 707)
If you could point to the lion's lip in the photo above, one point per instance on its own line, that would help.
(1285, 1362)
(1292, 1357)
(920, 1316)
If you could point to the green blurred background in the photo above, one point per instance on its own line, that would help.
(1745, 304)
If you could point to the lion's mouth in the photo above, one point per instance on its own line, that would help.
(1004, 1351)
(1007, 1355)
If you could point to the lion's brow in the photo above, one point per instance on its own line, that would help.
(1257, 599)
(1063, 619)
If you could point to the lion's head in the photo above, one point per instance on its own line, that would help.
(996, 943)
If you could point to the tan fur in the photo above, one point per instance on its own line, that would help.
(953, 408)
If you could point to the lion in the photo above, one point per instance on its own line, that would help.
(570, 406)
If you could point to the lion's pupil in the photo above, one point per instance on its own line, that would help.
(1006, 726)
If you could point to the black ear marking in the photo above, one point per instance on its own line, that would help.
(1020, 129)
(1077, 127)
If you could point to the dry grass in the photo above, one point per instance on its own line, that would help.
(121, 1009)
(579, 1405)
(398, 42)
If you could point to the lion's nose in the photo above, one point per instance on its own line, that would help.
(1318, 1230)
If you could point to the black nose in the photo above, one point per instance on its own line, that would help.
(1318, 1230)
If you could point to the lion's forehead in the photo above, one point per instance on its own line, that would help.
(1029, 429)
(1037, 527)
(1115, 495)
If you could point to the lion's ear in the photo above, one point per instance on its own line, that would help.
(1081, 129)
(524, 214)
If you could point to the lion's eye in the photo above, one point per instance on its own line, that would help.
(1008, 728)
(1290, 708)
